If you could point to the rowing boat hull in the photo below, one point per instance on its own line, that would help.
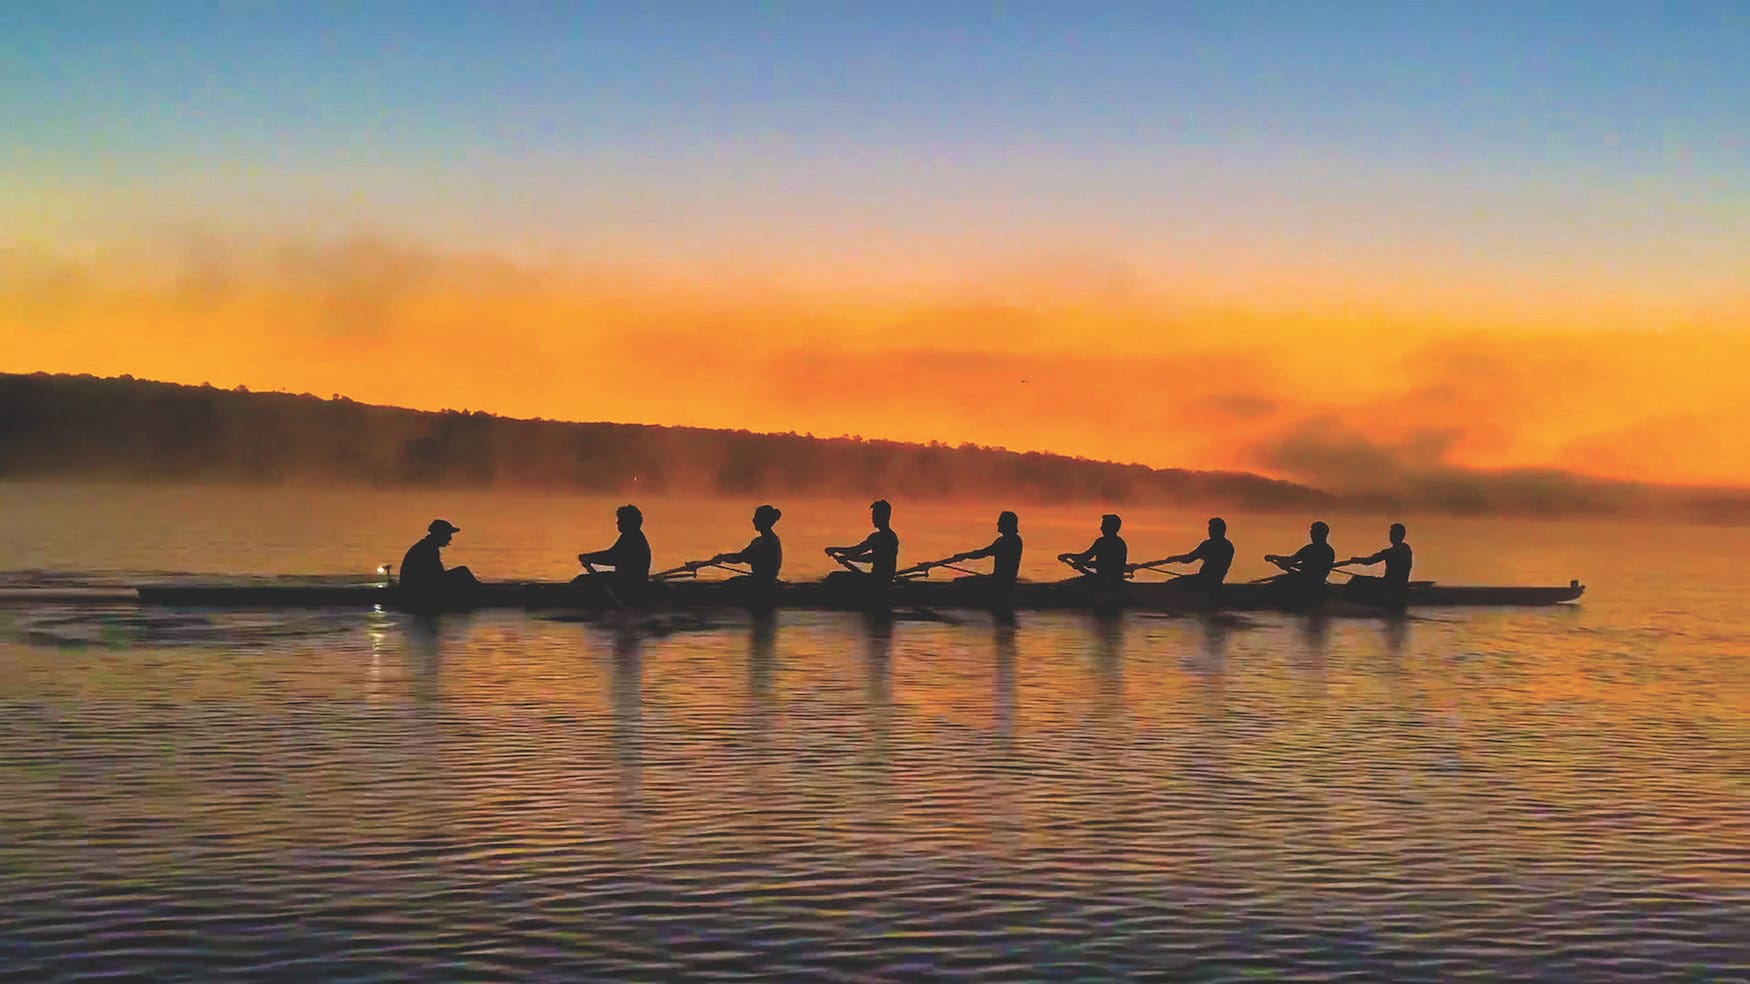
(1028, 596)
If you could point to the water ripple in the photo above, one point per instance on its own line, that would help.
(365, 795)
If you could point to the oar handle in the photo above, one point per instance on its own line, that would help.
(1075, 565)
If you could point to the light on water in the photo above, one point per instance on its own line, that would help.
(1558, 794)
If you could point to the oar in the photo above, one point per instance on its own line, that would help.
(691, 569)
(923, 569)
(1076, 566)
(607, 588)
(1155, 568)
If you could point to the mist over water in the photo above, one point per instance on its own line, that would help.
(319, 795)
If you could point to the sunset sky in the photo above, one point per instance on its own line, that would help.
(1340, 243)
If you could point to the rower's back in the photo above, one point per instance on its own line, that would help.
(765, 557)
(1398, 560)
(630, 554)
(1111, 553)
(1006, 558)
(883, 544)
(632, 563)
(884, 554)
(1316, 559)
(1216, 553)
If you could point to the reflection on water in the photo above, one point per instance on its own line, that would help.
(1109, 664)
(1007, 649)
(425, 654)
(1397, 633)
(497, 795)
(628, 704)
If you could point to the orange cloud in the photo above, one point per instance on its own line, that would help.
(1348, 394)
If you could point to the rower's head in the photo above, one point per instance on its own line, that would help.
(764, 517)
(440, 531)
(628, 518)
(1321, 531)
(1217, 528)
(1109, 524)
(1008, 522)
(880, 513)
(1397, 532)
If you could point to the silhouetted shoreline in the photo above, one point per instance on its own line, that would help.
(60, 427)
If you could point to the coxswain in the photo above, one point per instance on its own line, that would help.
(423, 577)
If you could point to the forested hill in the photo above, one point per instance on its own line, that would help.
(127, 429)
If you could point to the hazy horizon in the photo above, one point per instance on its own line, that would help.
(128, 429)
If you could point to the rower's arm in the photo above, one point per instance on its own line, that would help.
(615, 556)
(1378, 558)
(979, 554)
(1184, 558)
(1086, 556)
(862, 551)
(1299, 561)
(738, 556)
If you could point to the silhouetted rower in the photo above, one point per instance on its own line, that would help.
(764, 555)
(423, 577)
(629, 557)
(1216, 554)
(880, 550)
(1107, 560)
(1005, 555)
(1392, 591)
(1303, 580)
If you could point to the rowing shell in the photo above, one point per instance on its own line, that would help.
(1027, 596)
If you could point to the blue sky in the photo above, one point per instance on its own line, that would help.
(784, 129)
(1632, 86)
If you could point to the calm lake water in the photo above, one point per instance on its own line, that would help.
(1543, 794)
